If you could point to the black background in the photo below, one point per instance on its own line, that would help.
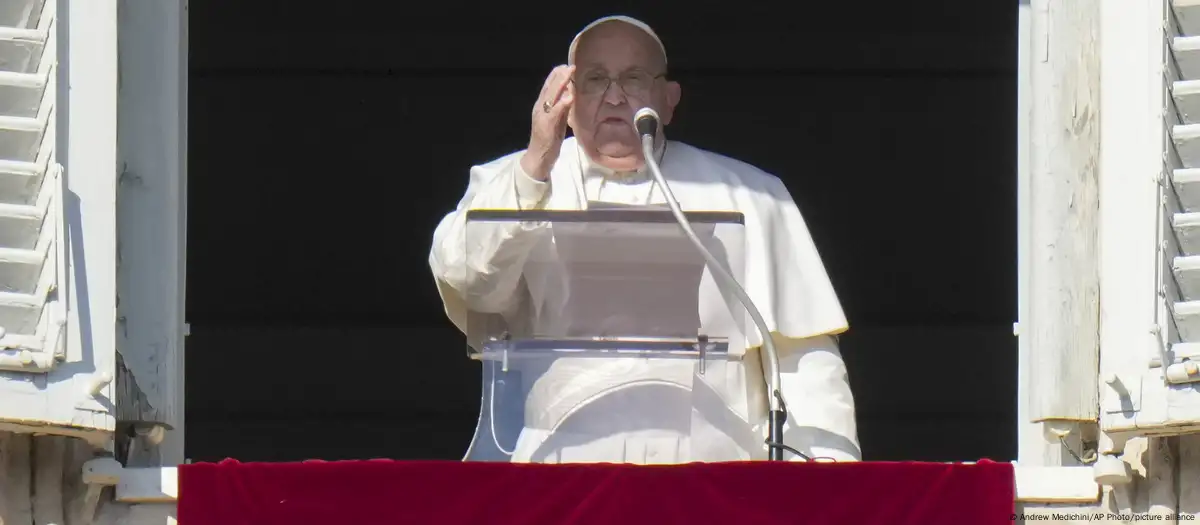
(326, 142)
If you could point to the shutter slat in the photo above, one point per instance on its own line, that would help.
(1187, 187)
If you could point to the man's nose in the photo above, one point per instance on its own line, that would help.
(614, 95)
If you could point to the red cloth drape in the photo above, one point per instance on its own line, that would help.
(449, 493)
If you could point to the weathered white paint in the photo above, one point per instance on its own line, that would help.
(1064, 280)
(136, 485)
(1056, 484)
(152, 207)
(1152, 497)
(1033, 449)
(56, 480)
(1058, 282)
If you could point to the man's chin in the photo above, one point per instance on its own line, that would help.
(617, 150)
(620, 162)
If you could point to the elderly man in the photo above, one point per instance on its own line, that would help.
(615, 66)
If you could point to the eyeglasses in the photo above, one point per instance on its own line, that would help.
(634, 83)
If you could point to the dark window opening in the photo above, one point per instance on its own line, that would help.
(326, 145)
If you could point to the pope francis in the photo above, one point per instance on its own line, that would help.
(615, 66)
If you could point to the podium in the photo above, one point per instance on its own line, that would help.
(604, 337)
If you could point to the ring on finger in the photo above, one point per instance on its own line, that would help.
(546, 107)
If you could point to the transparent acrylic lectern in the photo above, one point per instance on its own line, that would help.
(604, 337)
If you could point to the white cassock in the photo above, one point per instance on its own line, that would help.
(784, 277)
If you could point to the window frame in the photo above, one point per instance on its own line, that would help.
(1034, 483)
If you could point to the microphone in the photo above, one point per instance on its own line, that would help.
(646, 122)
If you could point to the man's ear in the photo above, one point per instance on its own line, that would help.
(673, 94)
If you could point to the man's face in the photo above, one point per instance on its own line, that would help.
(618, 70)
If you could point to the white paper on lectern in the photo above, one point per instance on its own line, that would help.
(622, 279)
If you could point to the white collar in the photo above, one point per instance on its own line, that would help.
(591, 168)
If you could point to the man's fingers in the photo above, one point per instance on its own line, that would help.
(564, 101)
(563, 81)
(556, 92)
(562, 92)
(552, 84)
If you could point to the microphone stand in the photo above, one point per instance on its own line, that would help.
(778, 410)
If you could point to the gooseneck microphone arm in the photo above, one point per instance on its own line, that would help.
(646, 121)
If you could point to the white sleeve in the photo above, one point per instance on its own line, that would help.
(482, 272)
(821, 419)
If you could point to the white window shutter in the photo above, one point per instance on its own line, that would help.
(56, 352)
(32, 229)
(1150, 229)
